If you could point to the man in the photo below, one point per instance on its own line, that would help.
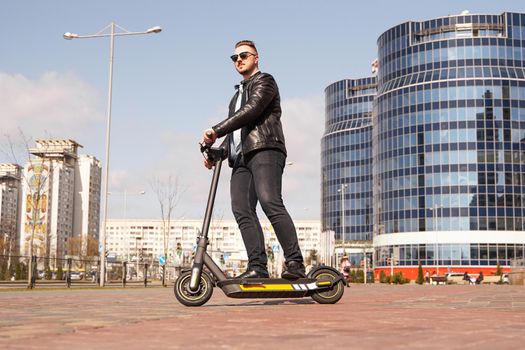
(257, 155)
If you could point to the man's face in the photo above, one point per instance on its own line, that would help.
(249, 65)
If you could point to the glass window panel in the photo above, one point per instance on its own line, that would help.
(493, 255)
(502, 252)
(474, 251)
(483, 251)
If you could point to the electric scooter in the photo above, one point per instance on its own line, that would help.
(194, 287)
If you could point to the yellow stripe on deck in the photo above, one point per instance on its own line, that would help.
(266, 287)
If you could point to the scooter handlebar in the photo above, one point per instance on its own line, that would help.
(213, 154)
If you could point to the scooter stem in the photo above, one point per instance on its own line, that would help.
(203, 238)
(211, 199)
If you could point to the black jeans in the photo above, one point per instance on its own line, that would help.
(258, 178)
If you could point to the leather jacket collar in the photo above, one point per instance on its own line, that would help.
(246, 81)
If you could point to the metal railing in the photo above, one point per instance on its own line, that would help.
(81, 272)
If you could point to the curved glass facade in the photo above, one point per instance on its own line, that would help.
(449, 142)
(346, 159)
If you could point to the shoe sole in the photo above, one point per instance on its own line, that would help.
(290, 276)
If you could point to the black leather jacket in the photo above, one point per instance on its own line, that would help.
(259, 117)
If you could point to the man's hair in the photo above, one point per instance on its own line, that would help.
(246, 43)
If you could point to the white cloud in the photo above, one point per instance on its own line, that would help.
(184, 160)
(303, 123)
(57, 105)
(118, 180)
(62, 106)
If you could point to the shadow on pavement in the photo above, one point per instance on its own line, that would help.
(269, 302)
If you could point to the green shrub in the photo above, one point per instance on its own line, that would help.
(352, 276)
(399, 279)
(60, 273)
(48, 274)
(498, 270)
(12, 270)
(21, 271)
(360, 276)
(420, 278)
(4, 272)
(383, 278)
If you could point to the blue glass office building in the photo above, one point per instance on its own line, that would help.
(346, 162)
(449, 130)
(448, 145)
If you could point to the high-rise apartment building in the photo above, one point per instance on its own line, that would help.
(61, 200)
(10, 204)
(86, 215)
(448, 144)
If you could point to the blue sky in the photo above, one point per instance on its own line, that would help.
(168, 87)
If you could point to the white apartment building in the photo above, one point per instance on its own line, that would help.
(61, 199)
(10, 204)
(128, 239)
(86, 215)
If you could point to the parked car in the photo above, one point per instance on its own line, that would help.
(505, 278)
(75, 275)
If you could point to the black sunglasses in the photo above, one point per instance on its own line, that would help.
(242, 55)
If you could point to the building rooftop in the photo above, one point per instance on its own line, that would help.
(10, 170)
(52, 148)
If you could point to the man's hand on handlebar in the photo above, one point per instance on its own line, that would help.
(209, 136)
(212, 155)
(208, 164)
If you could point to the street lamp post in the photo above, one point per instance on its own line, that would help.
(342, 190)
(112, 34)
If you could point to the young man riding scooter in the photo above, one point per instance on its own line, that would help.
(257, 155)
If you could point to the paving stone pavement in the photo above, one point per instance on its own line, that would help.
(367, 317)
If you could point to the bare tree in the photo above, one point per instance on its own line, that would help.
(84, 247)
(36, 197)
(216, 226)
(169, 192)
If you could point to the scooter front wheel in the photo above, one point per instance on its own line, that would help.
(189, 298)
(332, 295)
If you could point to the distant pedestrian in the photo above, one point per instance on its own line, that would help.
(480, 278)
(345, 269)
(466, 277)
(427, 277)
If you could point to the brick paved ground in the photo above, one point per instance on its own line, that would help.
(368, 317)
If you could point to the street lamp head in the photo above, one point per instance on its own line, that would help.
(69, 36)
(155, 30)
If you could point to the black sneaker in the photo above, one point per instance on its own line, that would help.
(294, 270)
(253, 274)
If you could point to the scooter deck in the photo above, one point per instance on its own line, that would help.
(271, 287)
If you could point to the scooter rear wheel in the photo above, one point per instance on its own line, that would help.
(332, 295)
(186, 297)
